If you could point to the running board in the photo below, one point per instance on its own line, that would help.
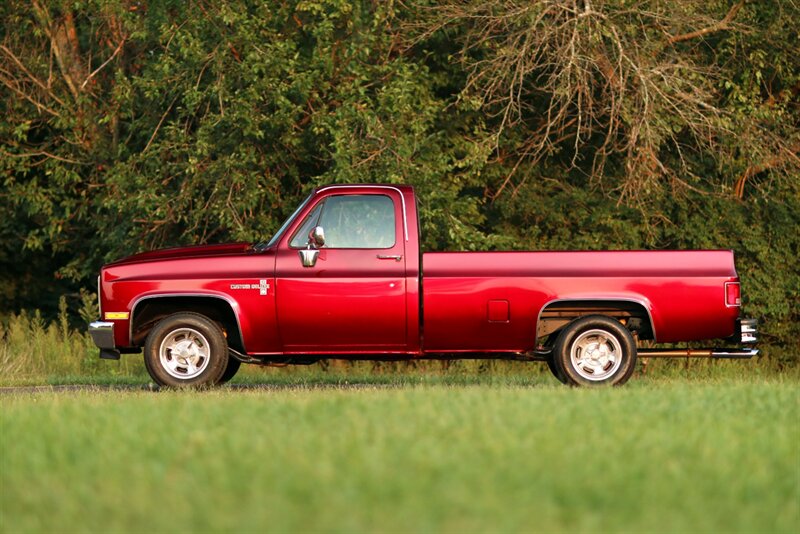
(698, 353)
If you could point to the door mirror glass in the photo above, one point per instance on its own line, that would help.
(316, 237)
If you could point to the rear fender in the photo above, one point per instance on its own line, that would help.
(636, 313)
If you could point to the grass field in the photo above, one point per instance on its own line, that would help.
(666, 455)
(427, 447)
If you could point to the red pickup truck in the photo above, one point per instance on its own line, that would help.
(344, 277)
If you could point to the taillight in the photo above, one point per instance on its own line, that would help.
(733, 294)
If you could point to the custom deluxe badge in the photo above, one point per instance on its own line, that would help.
(262, 286)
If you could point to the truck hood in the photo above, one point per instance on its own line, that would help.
(197, 251)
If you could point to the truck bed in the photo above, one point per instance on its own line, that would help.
(472, 300)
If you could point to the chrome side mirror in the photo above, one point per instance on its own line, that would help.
(316, 237)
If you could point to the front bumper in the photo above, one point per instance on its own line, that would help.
(103, 336)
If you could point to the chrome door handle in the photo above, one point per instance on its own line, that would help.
(395, 257)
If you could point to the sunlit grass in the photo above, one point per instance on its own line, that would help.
(409, 446)
(658, 455)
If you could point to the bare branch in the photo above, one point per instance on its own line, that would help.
(41, 107)
(585, 81)
(158, 126)
(28, 73)
(724, 24)
(786, 155)
(43, 153)
(106, 62)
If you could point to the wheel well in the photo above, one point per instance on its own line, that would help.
(150, 311)
(557, 315)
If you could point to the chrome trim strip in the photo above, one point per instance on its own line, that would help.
(642, 303)
(696, 353)
(734, 353)
(233, 304)
(402, 198)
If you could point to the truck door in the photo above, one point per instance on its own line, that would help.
(354, 296)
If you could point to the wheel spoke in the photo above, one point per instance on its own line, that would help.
(184, 353)
(594, 354)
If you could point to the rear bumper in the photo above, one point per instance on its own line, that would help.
(103, 336)
(746, 334)
(747, 331)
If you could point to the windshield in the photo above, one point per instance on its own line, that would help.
(260, 247)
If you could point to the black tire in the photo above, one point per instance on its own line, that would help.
(595, 351)
(230, 370)
(551, 364)
(186, 350)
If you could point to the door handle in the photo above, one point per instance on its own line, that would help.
(395, 257)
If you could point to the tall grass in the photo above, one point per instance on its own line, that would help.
(34, 351)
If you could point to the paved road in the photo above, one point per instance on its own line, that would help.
(152, 387)
(76, 387)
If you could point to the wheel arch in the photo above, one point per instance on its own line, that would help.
(147, 310)
(635, 314)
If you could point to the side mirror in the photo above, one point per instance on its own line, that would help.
(316, 237)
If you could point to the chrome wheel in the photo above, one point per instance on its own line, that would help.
(596, 354)
(184, 353)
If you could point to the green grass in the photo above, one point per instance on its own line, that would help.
(701, 446)
(662, 454)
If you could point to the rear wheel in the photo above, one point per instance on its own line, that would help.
(186, 349)
(551, 364)
(595, 350)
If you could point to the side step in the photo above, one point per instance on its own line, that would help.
(698, 353)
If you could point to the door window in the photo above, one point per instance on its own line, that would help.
(351, 221)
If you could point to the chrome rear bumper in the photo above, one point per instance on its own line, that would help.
(103, 336)
(746, 334)
(748, 331)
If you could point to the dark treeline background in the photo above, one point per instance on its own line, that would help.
(572, 124)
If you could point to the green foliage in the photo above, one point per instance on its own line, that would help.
(130, 126)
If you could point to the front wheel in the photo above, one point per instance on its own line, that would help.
(230, 370)
(186, 349)
(595, 350)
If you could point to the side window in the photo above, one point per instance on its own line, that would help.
(300, 238)
(358, 221)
